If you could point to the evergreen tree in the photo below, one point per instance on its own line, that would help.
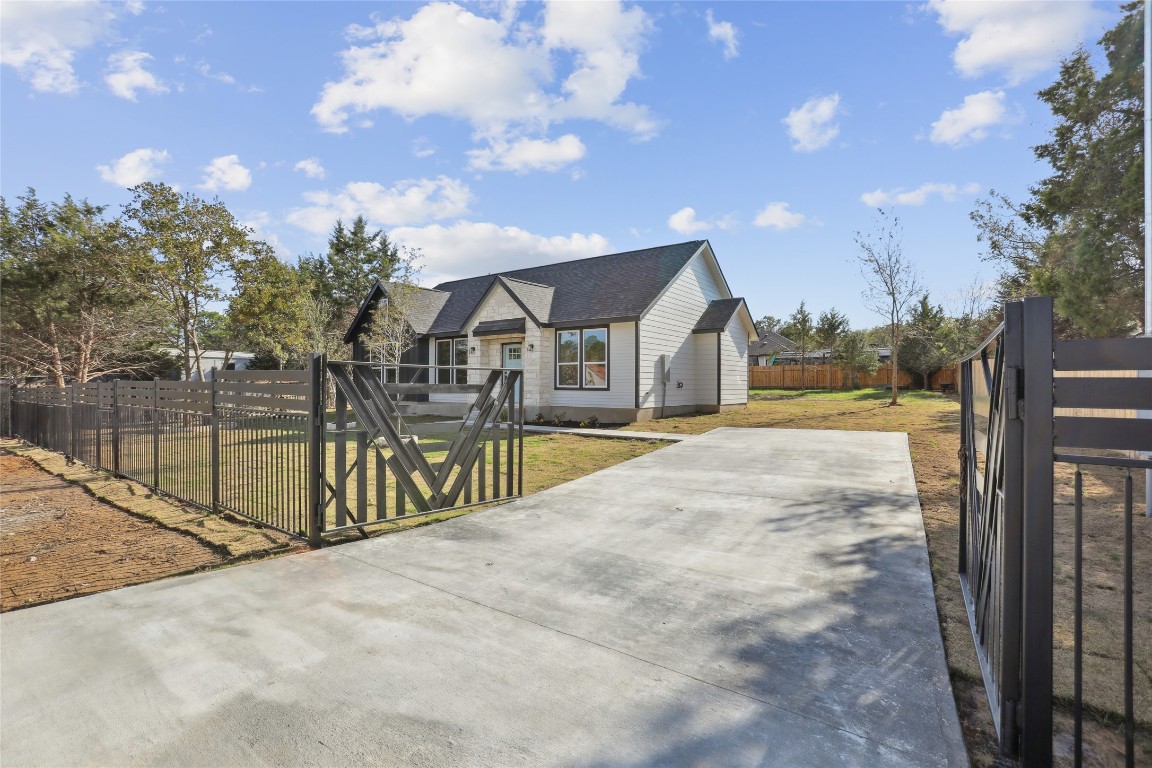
(829, 328)
(799, 330)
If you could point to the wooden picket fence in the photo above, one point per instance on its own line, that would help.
(816, 377)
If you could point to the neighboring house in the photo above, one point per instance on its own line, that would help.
(622, 337)
(211, 360)
(770, 343)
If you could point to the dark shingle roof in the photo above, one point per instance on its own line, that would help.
(619, 285)
(716, 315)
(770, 342)
(536, 298)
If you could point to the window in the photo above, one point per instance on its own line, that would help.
(582, 358)
(452, 354)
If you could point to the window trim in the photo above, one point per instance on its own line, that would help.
(579, 386)
(452, 367)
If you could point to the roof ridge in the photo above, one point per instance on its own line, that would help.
(573, 261)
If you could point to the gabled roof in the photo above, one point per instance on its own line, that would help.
(717, 314)
(426, 305)
(770, 342)
(619, 286)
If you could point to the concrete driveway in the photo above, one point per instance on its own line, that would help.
(747, 597)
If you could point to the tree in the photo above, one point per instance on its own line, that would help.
(829, 328)
(72, 309)
(891, 279)
(767, 323)
(1079, 236)
(390, 333)
(856, 355)
(195, 246)
(926, 348)
(799, 329)
(271, 310)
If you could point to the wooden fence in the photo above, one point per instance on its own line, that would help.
(816, 377)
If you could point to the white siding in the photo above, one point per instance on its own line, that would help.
(621, 392)
(734, 363)
(706, 350)
(667, 329)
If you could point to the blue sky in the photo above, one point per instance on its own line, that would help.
(501, 135)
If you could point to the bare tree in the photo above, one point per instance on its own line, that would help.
(892, 281)
(390, 333)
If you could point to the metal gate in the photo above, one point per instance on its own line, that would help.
(1019, 400)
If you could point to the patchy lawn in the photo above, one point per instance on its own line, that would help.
(932, 423)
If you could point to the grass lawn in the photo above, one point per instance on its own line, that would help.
(932, 423)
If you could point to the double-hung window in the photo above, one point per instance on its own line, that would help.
(582, 358)
(451, 356)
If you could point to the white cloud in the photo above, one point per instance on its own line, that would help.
(525, 155)
(468, 248)
(226, 172)
(310, 167)
(205, 69)
(684, 221)
(134, 168)
(574, 61)
(812, 125)
(260, 222)
(919, 196)
(423, 147)
(409, 202)
(126, 75)
(724, 33)
(777, 216)
(41, 40)
(1018, 39)
(971, 120)
(134, 7)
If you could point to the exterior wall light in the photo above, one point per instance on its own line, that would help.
(471, 350)
(531, 347)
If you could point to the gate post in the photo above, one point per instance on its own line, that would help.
(316, 428)
(1012, 530)
(1036, 678)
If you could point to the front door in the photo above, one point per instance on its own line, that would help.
(512, 357)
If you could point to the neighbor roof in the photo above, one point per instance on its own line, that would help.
(770, 342)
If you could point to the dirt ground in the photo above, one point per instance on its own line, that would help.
(56, 541)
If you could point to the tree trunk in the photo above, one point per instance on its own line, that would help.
(895, 381)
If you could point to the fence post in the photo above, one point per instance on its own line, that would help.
(1012, 553)
(1036, 677)
(73, 425)
(316, 428)
(215, 448)
(116, 427)
(156, 432)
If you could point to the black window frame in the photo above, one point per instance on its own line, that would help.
(453, 368)
(580, 362)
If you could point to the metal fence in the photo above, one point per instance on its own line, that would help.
(238, 443)
(1018, 422)
(260, 444)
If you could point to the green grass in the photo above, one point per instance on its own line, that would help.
(857, 395)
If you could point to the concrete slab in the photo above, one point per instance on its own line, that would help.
(747, 597)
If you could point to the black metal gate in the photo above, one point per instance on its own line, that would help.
(1020, 396)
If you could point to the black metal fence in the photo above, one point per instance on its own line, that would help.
(1021, 400)
(260, 444)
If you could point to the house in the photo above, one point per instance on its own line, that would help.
(623, 337)
(767, 346)
(210, 360)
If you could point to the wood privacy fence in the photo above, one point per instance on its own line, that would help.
(259, 444)
(816, 377)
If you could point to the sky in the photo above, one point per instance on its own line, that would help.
(499, 135)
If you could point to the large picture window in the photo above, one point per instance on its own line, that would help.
(451, 355)
(582, 358)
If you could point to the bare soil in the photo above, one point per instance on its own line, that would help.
(58, 542)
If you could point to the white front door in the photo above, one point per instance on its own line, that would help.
(512, 357)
